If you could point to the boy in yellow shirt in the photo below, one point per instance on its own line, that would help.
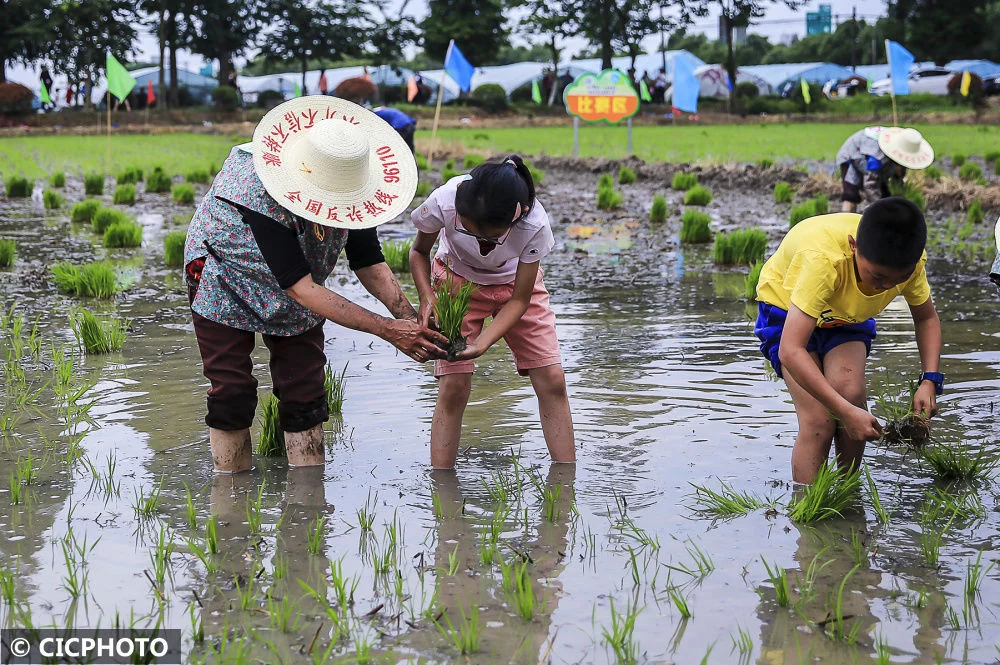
(817, 297)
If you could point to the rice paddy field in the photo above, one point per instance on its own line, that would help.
(676, 538)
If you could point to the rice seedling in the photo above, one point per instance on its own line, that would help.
(701, 560)
(397, 254)
(880, 511)
(83, 212)
(123, 234)
(279, 567)
(608, 198)
(537, 175)
(742, 642)
(343, 587)
(124, 195)
(932, 532)
(626, 175)
(366, 513)
(8, 585)
(883, 654)
(454, 562)
(828, 496)
(159, 557)
(105, 218)
(285, 615)
(212, 535)
(18, 187)
(620, 636)
(684, 181)
(695, 227)
(991, 156)
(550, 502)
(697, 196)
(271, 442)
(858, 546)
(245, 593)
(198, 176)
(144, 506)
(966, 506)
(974, 575)
(751, 280)
(471, 161)
(779, 581)
(605, 181)
(958, 159)
(27, 472)
(970, 171)
(52, 200)
(822, 204)
(909, 190)
(254, 511)
(75, 580)
(974, 214)
(129, 176)
(58, 179)
(16, 493)
(728, 502)
(658, 212)
(765, 162)
(465, 638)
(451, 307)
(802, 211)
(933, 173)
(189, 508)
(783, 192)
(96, 336)
(158, 182)
(423, 189)
(743, 247)
(173, 248)
(839, 631)
(203, 555)
(448, 172)
(680, 601)
(522, 593)
(93, 184)
(8, 249)
(959, 461)
(422, 163)
(182, 193)
(314, 544)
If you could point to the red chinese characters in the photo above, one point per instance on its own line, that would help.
(372, 209)
(271, 159)
(309, 116)
(354, 214)
(294, 196)
(332, 215)
(279, 134)
(384, 198)
(294, 123)
(314, 206)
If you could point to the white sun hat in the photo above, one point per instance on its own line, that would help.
(906, 147)
(333, 162)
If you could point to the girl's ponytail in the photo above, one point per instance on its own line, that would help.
(495, 191)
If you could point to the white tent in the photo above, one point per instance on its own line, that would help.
(251, 86)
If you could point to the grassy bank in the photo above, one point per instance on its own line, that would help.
(37, 156)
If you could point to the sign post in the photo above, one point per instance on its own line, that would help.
(607, 97)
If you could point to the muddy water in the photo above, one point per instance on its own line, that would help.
(667, 389)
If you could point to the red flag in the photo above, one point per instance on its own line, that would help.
(150, 97)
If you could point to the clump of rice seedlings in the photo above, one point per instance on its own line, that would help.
(537, 175)
(449, 172)
(821, 204)
(466, 636)
(728, 502)
(271, 442)
(522, 594)
(144, 505)
(752, 278)
(996, 167)
(804, 210)
(96, 336)
(658, 213)
(974, 214)
(620, 635)
(697, 196)
(451, 307)
(605, 181)
(742, 247)
(57, 179)
(932, 531)
(129, 176)
(52, 199)
(703, 563)
(105, 218)
(970, 172)
(779, 580)
(124, 195)
(974, 575)
(828, 496)
(18, 187)
(8, 249)
(991, 156)
(96, 279)
(743, 642)
(421, 162)
(959, 461)
(958, 159)
(158, 182)
(423, 188)
(199, 176)
(880, 511)
(894, 402)
(397, 254)
(695, 227)
(765, 162)
(83, 212)
(626, 175)
(909, 190)
(783, 192)
(93, 184)
(684, 181)
(608, 198)
(314, 542)
(933, 173)
(173, 248)
(183, 193)
(123, 234)
(472, 161)
(333, 383)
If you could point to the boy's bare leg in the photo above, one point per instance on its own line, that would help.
(553, 409)
(816, 430)
(844, 368)
(446, 427)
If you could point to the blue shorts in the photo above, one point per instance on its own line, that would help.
(771, 321)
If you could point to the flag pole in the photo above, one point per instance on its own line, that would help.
(437, 110)
(107, 163)
(892, 84)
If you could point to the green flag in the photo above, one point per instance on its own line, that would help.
(120, 82)
(296, 91)
(536, 94)
(805, 91)
(644, 92)
(44, 95)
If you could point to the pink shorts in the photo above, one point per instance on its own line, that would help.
(532, 340)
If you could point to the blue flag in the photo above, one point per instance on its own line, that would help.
(686, 85)
(458, 68)
(900, 61)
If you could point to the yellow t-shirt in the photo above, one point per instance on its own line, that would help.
(813, 268)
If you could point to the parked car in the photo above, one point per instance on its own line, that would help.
(933, 81)
(991, 84)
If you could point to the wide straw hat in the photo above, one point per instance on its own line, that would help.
(906, 147)
(333, 162)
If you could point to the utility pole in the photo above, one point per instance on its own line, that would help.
(854, 38)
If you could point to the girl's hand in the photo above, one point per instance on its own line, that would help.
(471, 352)
(425, 315)
(924, 400)
(861, 425)
(416, 341)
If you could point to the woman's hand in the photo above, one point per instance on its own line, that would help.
(425, 315)
(417, 341)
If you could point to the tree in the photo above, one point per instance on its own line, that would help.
(25, 31)
(309, 31)
(940, 30)
(555, 21)
(221, 30)
(478, 27)
(599, 24)
(395, 31)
